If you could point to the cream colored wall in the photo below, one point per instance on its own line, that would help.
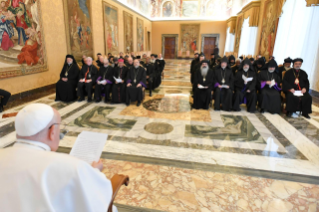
(55, 44)
(98, 30)
(173, 27)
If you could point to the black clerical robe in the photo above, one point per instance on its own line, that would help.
(194, 66)
(119, 89)
(6, 96)
(149, 76)
(157, 74)
(135, 76)
(87, 73)
(203, 96)
(297, 103)
(212, 63)
(66, 91)
(105, 73)
(223, 95)
(241, 95)
(235, 69)
(269, 97)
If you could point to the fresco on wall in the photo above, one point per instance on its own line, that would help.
(167, 9)
(79, 28)
(269, 28)
(128, 32)
(216, 8)
(189, 8)
(111, 29)
(238, 32)
(143, 6)
(189, 37)
(140, 34)
(22, 47)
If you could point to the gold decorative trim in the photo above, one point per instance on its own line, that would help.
(231, 23)
(22, 70)
(251, 10)
(312, 3)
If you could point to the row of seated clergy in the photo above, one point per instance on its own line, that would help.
(230, 91)
(129, 89)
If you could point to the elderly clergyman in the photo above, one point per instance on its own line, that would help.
(36, 178)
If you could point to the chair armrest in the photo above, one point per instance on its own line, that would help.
(117, 181)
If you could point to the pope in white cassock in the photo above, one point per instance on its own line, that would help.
(33, 177)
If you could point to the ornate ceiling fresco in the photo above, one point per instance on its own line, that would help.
(186, 9)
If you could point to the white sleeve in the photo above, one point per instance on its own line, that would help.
(95, 187)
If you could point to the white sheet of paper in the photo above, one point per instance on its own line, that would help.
(103, 81)
(118, 80)
(247, 79)
(272, 83)
(224, 86)
(89, 146)
(298, 93)
(202, 87)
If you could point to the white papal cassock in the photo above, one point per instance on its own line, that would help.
(34, 179)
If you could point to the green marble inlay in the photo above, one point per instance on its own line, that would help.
(60, 105)
(236, 128)
(168, 104)
(97, 118)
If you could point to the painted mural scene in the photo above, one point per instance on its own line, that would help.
(159, 105)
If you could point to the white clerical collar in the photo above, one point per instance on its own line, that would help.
(33, 144)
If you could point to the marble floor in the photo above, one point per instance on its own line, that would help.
(180, 159)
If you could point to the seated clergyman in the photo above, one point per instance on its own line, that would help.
(38, 179)
(269, 83)
(88, 76)
(203, 79)
(104, 82)
(119, 86)
(136, 80)
(296, 80)
(245, 84)
(224, 85)
(66, 86)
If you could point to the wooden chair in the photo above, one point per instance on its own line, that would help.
(117, 181)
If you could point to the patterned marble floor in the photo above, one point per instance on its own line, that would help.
(181, 159)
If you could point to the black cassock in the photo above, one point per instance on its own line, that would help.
(119, 89)
(223, 95)
(87, 72)
(162, 63)
(241, 95)
(157, 73)
(149, 72)
(194, 66)
(66, 91)
(297, 103)
(105, 73)
(269, 97)
(135, 76)
(6, 96)
(202, 97)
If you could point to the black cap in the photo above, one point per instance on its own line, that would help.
(138, 57)
(297, 60)
(196, 53)
(272, 63)
(288, 60)
(246, 62)
(252, 59)
(231, 57)
(69, 56)
(204, 61)
(224, 60)
(241, 57)
(99, 54)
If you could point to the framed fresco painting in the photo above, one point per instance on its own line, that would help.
(140, 35)
(22, 46)
(111, 28)
(189, 37)
(190, 8)
(78, 24)
(269, 28)
(128, 32)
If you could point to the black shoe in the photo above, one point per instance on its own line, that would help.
(80, 99)
(138, 104)
(90, 100)
(127, 104)
(306, 116)
(1, 108)
(97, 100)
(262, 111)
(106, 101)
(150, 94)
(289, 114)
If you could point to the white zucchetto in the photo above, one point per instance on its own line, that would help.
(33, 118)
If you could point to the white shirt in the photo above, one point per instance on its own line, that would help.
(32, 178)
